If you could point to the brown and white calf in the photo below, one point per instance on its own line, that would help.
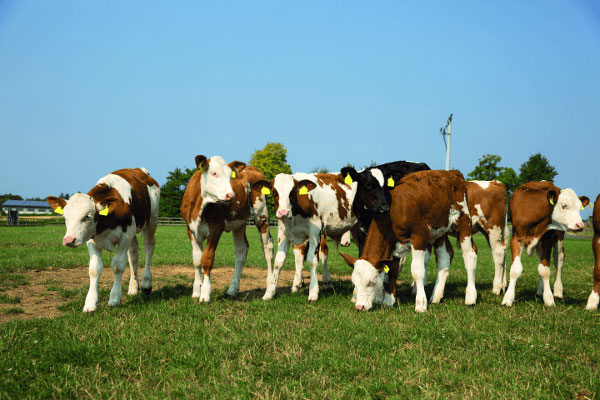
(122, 203)
(221, 197)
(309, 206)
(538, 210)
(594, 298)
(425, 206)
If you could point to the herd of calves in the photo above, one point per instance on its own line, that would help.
(389, 210)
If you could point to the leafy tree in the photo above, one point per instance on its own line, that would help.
(171, 193)
(487, 169)
(371, 165)
(537, 168)
(271, 160)
(509, 177)
(320, 170)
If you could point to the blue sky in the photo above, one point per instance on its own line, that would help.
(90, 87)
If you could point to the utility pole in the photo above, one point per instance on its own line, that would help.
(447, 131)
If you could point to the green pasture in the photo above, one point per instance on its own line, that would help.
(167, 345)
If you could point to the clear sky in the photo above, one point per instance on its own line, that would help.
(90, 87)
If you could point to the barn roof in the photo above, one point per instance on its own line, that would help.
(26, 203)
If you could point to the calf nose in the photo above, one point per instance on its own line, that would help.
(68, 241)
(384, 208)
(579, 225)
(229, 196)
(359, 308)
(282, 213)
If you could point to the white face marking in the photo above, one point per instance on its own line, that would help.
(367, 281)
(79, 218)
(377, 174)
(216, 181)
(120, 184)
(483, 184)
(566, 214)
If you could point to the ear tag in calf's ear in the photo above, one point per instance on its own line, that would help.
(201, 169)
(233, 174)
(390, 182)
(551, 202)
(104, 211)
(582, 208)
(58, 210)
(348, 179)
(386, 269)
(303, 190)
(265, 191)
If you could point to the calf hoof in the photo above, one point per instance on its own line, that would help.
(88, 309)
(228, 296)
(147, 291)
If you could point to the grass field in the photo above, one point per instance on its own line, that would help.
(167, 345)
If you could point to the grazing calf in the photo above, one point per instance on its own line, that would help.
(539, 209)
(371, 194)
(594, 298)
(308, 206)
(425, 206)
(123, 203)
(221, 197)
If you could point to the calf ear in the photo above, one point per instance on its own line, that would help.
(304, 186)
(383, 264)
(237, 166)
(584, 200)
(552, 196)
(201, 163)
(263, 187)
(56, 203)
(389, 182)
(349, 259)
(349, 172)
(107, 206)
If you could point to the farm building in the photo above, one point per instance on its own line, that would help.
(26, 207)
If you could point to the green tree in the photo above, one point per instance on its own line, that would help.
(171, 193)
(320, 170)
(537, 168)
(271, 160)
(487, 169)
(509, 177)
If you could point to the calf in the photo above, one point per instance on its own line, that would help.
(122, 203)
(539, 209)
(425, 206)
(373, 185)
(307, 206)
(221, 197)
(594, 298)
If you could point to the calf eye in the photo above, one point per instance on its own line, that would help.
(213, 173)
(564, 206)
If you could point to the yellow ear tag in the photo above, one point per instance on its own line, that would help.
(551, 202)
(386, 269)
(348, 179)
(303, 190)
(390, 182)
(265, 191)
(58, 210)
(582, 208)
(233, 174)
(104, 211)
(201, 169)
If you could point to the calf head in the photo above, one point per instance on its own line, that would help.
(566, 213)
(367, 279)
(282, 186)
(81, 214)
(371, 188)
(216, 178)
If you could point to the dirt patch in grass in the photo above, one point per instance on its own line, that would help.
(49, 289)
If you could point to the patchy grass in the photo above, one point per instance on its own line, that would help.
(169, 345)
(8, 299)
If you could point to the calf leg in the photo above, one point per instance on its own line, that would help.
(207, 261)
(262, 224)
(413, 290)
(273, 278)
(313, 287)
(119, 262)
(516, 269)
(498, 246)
(390, 290)
(559, 262)
(133, 256)
(299, 255)
(443, 257)
(95, 270)
(323, 254)
(594, 298)
(196, 257)
(149, 243)
(240, 242)
(544, 271)
(469, 256)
